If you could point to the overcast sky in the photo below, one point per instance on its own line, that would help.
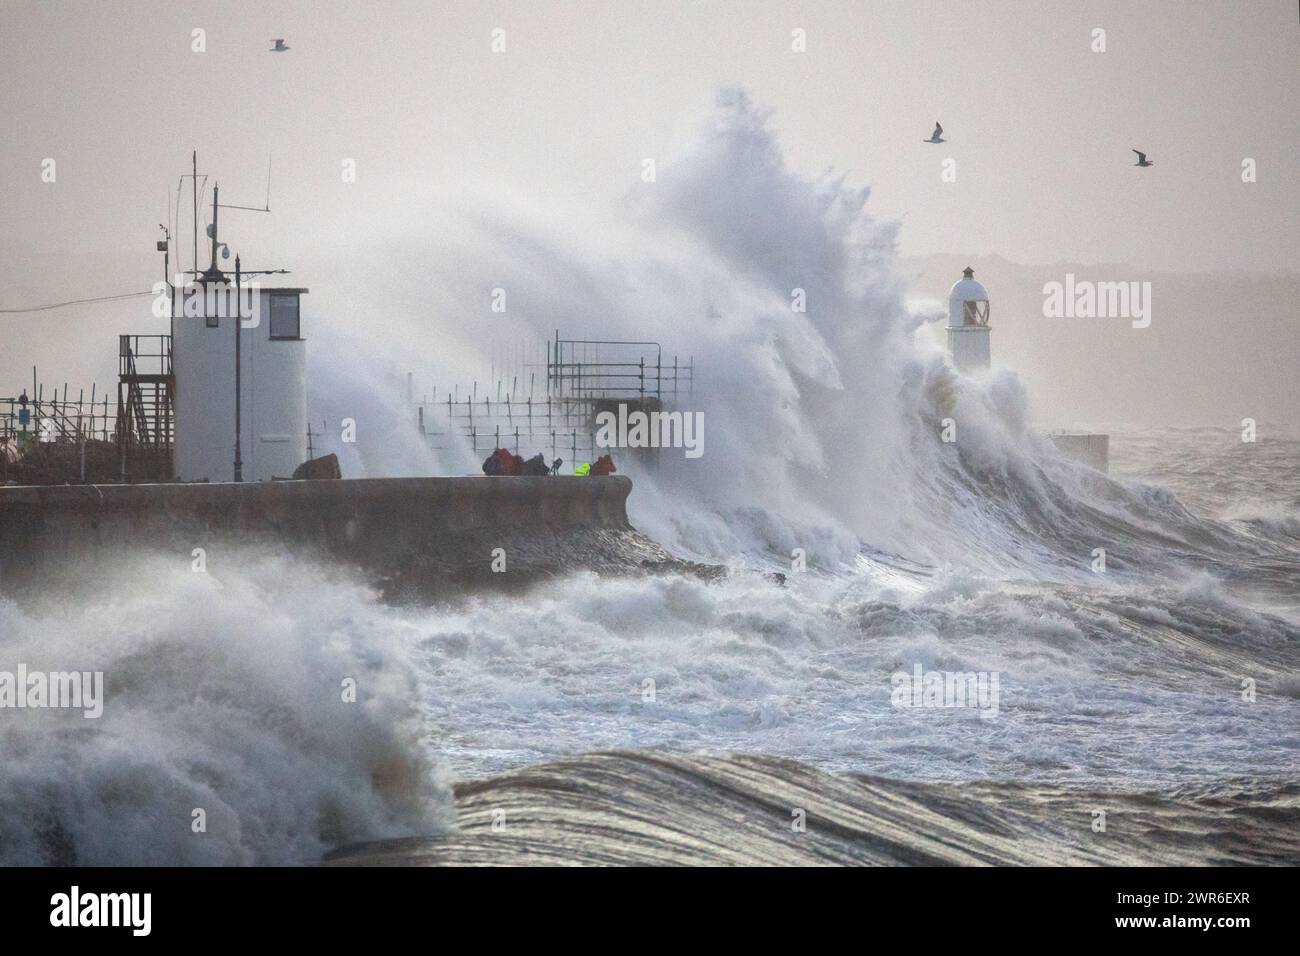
(1040, 126)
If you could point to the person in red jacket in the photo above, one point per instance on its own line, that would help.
(502, 462)
(604, 466)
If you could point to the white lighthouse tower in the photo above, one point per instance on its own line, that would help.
(968, 324)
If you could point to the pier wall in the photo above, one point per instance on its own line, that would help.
(1093, 449)
(394, 526)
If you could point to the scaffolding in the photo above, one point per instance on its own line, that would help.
(58, 439)
(486, 425)
(588, 369)
(582, 378)
(57, 419)
(93, 439)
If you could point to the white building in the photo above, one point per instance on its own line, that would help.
(273, 388)
(968, 324)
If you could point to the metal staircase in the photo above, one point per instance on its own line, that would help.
(146, 417)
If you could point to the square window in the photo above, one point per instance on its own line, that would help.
(213, 322)
(284, 317)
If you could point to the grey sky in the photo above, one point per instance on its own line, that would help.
(1039, 125)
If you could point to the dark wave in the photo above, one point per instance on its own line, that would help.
(651, 808)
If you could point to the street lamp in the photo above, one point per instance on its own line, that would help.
(239, 321)
(214, 274)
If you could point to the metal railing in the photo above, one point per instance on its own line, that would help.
(57, 420)
(583, 376)
(598, 368)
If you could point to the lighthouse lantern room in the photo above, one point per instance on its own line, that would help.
(968, 324)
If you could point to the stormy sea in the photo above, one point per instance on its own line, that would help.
(1132, 639)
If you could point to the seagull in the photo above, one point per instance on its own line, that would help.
(1142, 159)
(279, 46)
(937, 135)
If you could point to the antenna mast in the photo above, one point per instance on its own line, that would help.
(194, 160)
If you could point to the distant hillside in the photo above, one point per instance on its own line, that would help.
(1221, 347)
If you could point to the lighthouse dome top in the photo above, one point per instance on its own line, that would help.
(966, 289)
(968, 302)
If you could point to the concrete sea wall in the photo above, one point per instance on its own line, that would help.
(1092, 449)
(409, 532)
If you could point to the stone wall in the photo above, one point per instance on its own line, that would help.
(423, 530)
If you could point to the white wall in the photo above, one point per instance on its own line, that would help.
(1093, 450)
(273, 396)
(969, 347)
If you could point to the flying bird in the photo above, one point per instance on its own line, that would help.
(279, 46)
(1142, 159)
(937, 135)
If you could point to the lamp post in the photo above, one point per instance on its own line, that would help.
(239, 321)
(213, 274)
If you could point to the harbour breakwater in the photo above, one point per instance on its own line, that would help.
(411, 534)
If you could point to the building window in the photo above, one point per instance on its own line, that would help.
(213, 321)
(976, 313)
(284, 317)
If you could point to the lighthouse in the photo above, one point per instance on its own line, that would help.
(968, 324)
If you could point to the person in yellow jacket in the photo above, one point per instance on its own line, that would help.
(583, 469)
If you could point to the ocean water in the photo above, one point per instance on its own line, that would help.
(1126, 679)
(224, 688)
(1174, 666)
